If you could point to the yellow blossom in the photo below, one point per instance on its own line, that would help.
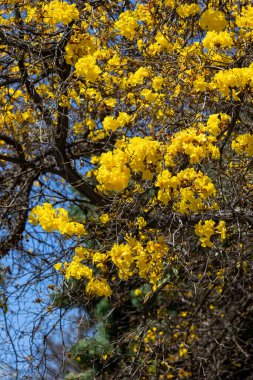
(213, 20)
(187, 10)
(243, 144)
(51, 219)
(59, 11)
(104, 218)
(141, 222)
(99, 287)
(87, 68)
(57, 266)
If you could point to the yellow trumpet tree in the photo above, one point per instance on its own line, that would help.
(145, 109)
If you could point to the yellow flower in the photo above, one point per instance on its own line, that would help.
(99, 287)
(148, 95)
(157, 83)
(51, 219)
(137, 292)
(243, 144)
(218, 39)
(138, 77)
(122, 256)
(113, 174)
(141, 222)
(205, 231)
(110, 102)
(213, 20)
(87, 68)
(104, 218)
(110, 124)
(182, 350)
(245, 20)
(127, 25)
(123, 119)
(59, 11)
(169, 3)
(221, 229)
(57, 266)
(187, 10)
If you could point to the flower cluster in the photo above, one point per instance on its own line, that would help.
(113, 173)
(59, 12)
(207, 229)
(138, 76)
(86, 67)
(130, 22)
(189, 186)
(194, 143)
(157, 83)
(111, 123)
(245, 20)
(143, 153)
(98, 287)
(130, 258)
(237, 78)
(78, 269)
(127, 25)
(51, 219)
(187, 10)
(243, 144)
(80, 45)
(215, 39)
(149, 95)
(137, 154)
(213, 20)
(216, 123)
(169, 3)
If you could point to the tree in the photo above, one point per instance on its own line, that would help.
(126, 136)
